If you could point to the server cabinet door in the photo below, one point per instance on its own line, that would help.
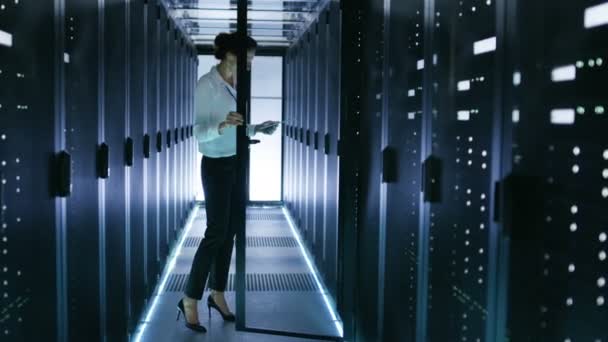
(301, 148)
(151, 120)
(115, 89)
(169, 138)
(163, 114)
(83, 135)
(291, 153)
(403, 107)
(555, 190)
(331, 148)
(463, 107)
(320, 158)
(137, 184)
(30, 242)
(369, 237)
(309, 127)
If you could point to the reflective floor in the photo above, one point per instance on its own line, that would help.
(282, 293)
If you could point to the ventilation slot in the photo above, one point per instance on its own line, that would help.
(265, 217)
(256, 282)
(252, 242)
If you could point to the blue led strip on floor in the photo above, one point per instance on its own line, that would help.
(315, 273)
(168, 271)
(171, 265)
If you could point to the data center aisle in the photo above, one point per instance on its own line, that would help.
(281, 292)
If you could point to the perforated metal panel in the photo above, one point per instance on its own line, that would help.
(265, 217)
(256, 282)
(252, 242)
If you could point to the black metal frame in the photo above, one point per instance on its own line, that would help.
(261, 51)
(243, 100)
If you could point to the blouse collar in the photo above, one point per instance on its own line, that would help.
(219, 78)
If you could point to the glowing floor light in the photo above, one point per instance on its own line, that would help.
(168, 270)
(314, 272)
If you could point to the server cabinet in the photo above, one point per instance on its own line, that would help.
(296, 131)
(310, 114)
(330, 147)
(152, 160)
(179, 95)
(462, 129)
(161, 143)
(170, 149)
(311, 182)
(290, 155)
(370, 235)
(403, 111)
(319, 167)
(84, 136)
(137, 184)
(115, 68)
(300, 149)
(555, 165)
(286, 129)
(190, 151)
(31, 246)
(307, 117)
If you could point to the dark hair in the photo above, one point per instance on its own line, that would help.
(229, 42)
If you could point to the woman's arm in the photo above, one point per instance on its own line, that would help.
(206, 127)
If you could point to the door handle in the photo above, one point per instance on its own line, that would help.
(389, 165)
(103, 161)
(431, 179)
(129, 152)
(63, 169)
(159, 142)
(146, 146)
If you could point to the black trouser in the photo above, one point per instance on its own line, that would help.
(213, 255)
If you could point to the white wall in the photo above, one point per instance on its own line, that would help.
(266, 104)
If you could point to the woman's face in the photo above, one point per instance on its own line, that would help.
(231, 59)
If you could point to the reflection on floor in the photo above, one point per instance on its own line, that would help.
(281, 291)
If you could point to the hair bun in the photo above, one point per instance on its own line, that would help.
(228, 42)
(222, 40)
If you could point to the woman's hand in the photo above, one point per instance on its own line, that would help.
(267, 127)
(232, 119)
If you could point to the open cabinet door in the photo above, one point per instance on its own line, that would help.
(278, 290)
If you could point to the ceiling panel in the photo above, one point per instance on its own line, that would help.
(273, 23)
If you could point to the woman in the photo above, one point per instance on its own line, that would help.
(216, 121)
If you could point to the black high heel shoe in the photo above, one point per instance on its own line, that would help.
(181, 311)
(211, 304)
